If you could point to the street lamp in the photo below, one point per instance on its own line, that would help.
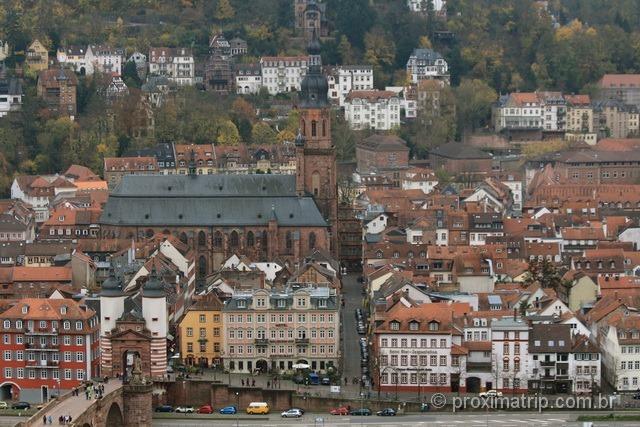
(237, 409)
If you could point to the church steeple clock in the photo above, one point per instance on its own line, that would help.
(315, 152)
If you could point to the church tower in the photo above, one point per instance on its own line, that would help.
(316, 173)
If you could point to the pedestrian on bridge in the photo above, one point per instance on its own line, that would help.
(44, 419)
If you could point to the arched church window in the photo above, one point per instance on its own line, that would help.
(312, 240)
(233, 239)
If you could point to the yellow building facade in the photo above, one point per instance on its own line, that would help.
(200, 333)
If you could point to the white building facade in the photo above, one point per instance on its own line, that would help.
(345, 78)
(281, 74)
(372, 109)
(177, 64)
(425, 64)
(273, 330)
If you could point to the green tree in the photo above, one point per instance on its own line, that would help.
(54, 140)
(473, 102)
(346, 52)
(262, 133)
(130, 75)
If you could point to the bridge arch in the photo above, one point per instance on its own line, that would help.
(114, 416)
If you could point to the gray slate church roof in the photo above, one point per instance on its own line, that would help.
(209, 200)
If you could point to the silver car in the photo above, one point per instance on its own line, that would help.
(292, 413)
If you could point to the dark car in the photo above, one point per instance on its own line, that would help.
(299, 379)
(326, 381)
(386, 412)
(636, 396)
(164, 408)
(361, 411)
(21, 405)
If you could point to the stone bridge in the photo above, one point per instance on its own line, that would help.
(122, 405)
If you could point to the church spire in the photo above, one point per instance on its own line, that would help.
(314, 86)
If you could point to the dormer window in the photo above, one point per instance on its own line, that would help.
(242, 303)
(413, 325)
(63, 309)
(282, 303)
(25, 309)
(322, 303)
(394, 325)
(434, 326)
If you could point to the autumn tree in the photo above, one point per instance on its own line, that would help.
(263, 134)
(224, 11)
(227, 133)
(380, 52)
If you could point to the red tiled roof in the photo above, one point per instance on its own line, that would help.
(620, 80)
(521, 98)
(371, 95)
(130, 164)
(47, 308)
(577, 100)
(41, 274)
(618, 144)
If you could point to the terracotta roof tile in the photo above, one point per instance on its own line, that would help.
(41, 274)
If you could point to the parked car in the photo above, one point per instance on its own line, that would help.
(361, 411)
(21, 405)
(164, 408)
(229, 410)
(184, 410)
(636, 396)
(491, 393)
(3, 405)
(386, 412)
(298, 379)
(299, 409)
(342, 410)
(326, 381)
(258, 408)
(205, 409)
(292, 413)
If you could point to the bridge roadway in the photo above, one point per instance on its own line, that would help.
(75, 405)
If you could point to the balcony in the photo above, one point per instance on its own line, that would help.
(41, 364)
(42, 347)
(548, 363)
(41, 331)
(304, 341)
(261, 341)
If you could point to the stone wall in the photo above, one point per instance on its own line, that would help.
(137, 406)
(198, 393)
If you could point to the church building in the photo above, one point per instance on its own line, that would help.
(262, 216)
